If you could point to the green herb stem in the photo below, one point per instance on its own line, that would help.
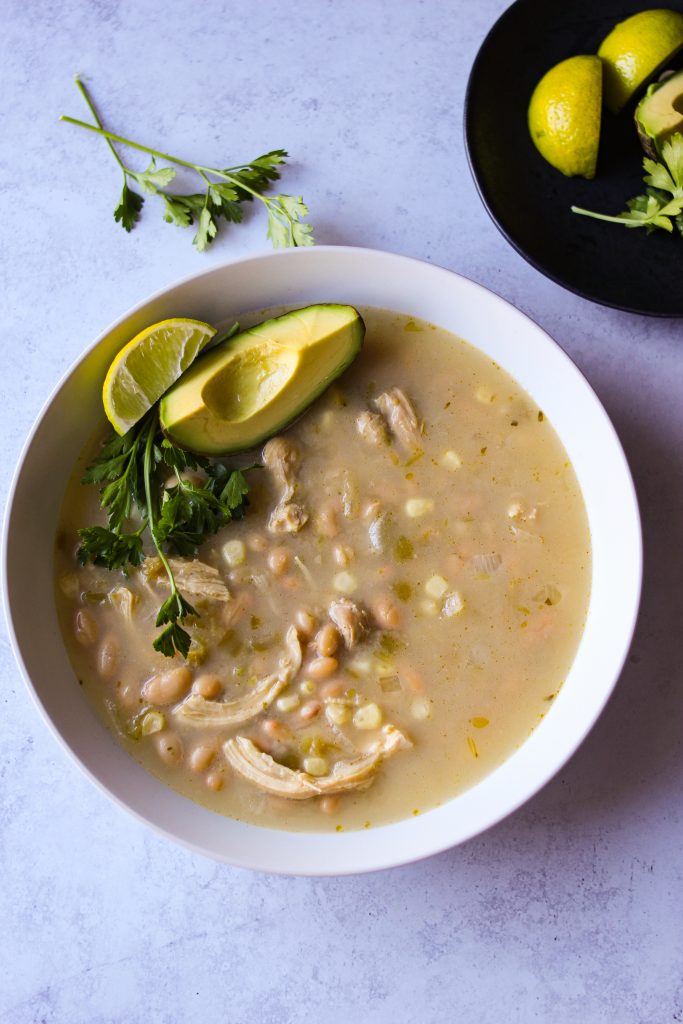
(112, 136)
(91, 106)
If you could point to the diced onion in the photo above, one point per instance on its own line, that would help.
(453, 605)
(151, 722)
(421, 708)
(436, 586)
(389, 684)
(486, 563)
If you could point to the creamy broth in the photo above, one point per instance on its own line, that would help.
(453, 556)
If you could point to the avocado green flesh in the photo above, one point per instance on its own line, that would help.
(659, 115)
(253, 385)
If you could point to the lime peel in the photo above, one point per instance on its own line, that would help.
(148, 365)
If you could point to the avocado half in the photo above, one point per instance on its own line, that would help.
(253, 385)
(659, 115)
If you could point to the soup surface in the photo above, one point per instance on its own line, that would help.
(388, 623)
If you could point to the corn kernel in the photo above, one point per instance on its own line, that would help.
(307, 687)
(368, 717)
(416, 507)
(344, 582)
(337, 714)
(451, 460)
(315, 766)
(288, 703)
(234, 553)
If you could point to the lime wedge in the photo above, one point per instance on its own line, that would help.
(147, 366)
(564, 115)
(636, 49)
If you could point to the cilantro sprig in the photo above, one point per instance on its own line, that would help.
(131, 471)
(661, 206)
(224, 192)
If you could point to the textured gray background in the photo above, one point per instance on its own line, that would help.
(571, 910)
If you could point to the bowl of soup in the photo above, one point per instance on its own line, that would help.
(416, 623)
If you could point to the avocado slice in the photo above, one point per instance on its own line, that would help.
(659, 115)
(253, 385)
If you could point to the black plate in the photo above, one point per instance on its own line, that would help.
(530, 201)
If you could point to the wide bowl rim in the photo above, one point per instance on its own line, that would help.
(439, 842)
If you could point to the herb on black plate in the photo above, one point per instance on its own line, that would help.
(661, 206)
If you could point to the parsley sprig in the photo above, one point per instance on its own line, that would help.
(131, 470)
(224, 191)
(661, 206)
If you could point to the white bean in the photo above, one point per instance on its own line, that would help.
(322, 668)
(168, 687)
(108, 656)
(85, 627)
(207, 686)
(327, 640)
(169, 748)
(305, 623)
(201, 757)
(278, 561)
(386, 613)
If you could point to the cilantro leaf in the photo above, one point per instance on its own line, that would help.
(127, 213)
(109, 548)
(189, 512)
(225, 190)
(207, 228)
(171, 640)
(174, 637)
(285, 227)
(662, 204)
(154, 177)
(235, 492)
(119, 467)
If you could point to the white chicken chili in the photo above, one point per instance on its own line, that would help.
(389, 621)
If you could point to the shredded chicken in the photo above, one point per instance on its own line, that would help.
(196, 710)
(261, 770)
(282, 458)
(372, 428)
(401, 417)
(192, 576)
(350, 620)
(124, 600)
(287, 518)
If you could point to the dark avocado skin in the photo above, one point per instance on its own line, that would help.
(649, 141)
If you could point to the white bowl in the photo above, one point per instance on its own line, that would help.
(360, 277)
